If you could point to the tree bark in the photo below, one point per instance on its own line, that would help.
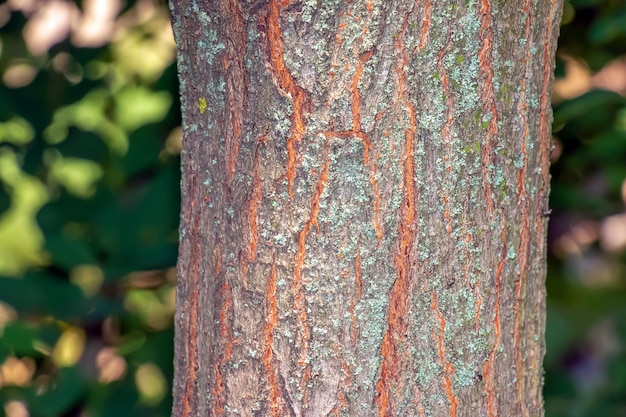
(364, 200)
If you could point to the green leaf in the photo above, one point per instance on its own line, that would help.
(67, 252)
(589, 105)
(608, 28)
(40, 293)
(66, 391)
(137, 106)
(20, 338)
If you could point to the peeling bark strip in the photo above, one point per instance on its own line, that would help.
(276, 402)
(489, 369)
(362, 196)
(367, 143)
(236, 85)
(391, 349)
(487, 95)
(441, 351)
(287, 85)
(253, 212)
(304, 328)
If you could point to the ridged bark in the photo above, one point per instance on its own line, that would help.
(364, 198)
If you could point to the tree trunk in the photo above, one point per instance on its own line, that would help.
(364, 200)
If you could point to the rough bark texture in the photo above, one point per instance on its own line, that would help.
(364, 192)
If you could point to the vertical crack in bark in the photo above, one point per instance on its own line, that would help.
(446, 138)
(354, 87)
(489, 368)
(218, 389)
(441, 350)
(253, 209)
(474, 286)
(357, 267)
(522, 200)
(236, 85)
(391, 355)
(276, 400)
(287, 85)
(226, 337)
(342, 403)
(338, 41)
(299, 298)
(487, 95)
(357, 132)
(418, 402)
(427, 13)
(191, 355)
(368, 146)
(446, 141)
(192, 360)
(359, 291)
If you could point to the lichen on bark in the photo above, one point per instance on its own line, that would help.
(363, 188)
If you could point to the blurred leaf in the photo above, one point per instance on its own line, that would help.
(68, 209)
(609, 146)
(20, 339)
(69, 348)
(117, 399)
(17, 131)
(76, 174)
(88, 114)
(42, 294)
(569, 12)
(140, 232)
(137, 106)
(145, 145)
(594, 104)
(131, 342)
(159, 348)
(608, 28)
(27, 195)
(150, 383)
(68, 388)
(66, 252)
(83, 144)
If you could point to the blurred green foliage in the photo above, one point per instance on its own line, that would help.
(585, 363)
(89, 143)
(89, 200)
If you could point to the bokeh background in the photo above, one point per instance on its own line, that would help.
(89, 176)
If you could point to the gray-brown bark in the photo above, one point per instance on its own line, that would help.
(364, 186)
